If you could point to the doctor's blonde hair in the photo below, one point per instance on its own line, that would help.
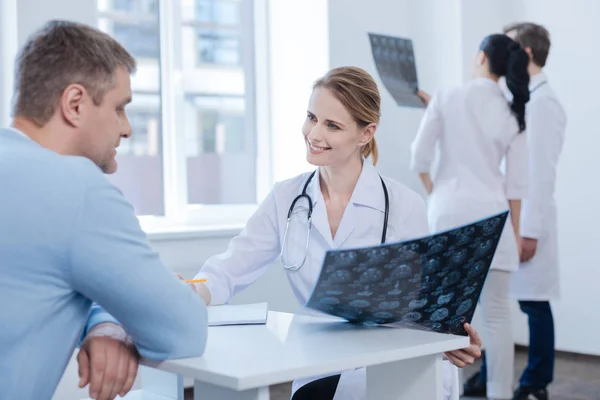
(358, 92)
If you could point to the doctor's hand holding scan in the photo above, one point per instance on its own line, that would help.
(424, 96)
(343, 203)
(462, 358)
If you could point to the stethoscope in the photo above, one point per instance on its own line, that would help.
(304, 194)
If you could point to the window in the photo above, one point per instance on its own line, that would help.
(135, 24)
(137, 29)
(216, 47)
(193, 115)
(217, 27)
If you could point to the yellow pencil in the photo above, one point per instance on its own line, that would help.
(196, 280)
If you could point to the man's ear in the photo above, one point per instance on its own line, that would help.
(72, 103)
(529, 53)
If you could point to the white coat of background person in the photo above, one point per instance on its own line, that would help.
(537, 281)
(475, 129)
(538, 277)
(349, 204)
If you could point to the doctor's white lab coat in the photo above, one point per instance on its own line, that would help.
(260, 243)
(474, 130)
(538, 279)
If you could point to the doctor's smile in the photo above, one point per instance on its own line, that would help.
(314, 149)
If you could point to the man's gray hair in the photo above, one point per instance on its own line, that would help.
(62, 53)
(534, 36)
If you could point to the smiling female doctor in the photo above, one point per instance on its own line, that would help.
(350, 204)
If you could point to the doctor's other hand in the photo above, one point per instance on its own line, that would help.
(424, 96)
(200, 289)
(528, 248)
(203, 292)
(462, 358)
(190, 284)
(108, 362)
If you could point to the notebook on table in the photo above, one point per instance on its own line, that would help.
(243, 314)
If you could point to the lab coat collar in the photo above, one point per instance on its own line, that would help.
(537, 80)
(490, 83)
(368, 191)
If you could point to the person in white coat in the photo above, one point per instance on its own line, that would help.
(475, 130)
(536, 282)
(348, 210)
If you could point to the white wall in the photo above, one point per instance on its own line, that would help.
(349, 24)
(29, 21)
(446, 37)
(298, 44)
(426, 21)
(479, 19)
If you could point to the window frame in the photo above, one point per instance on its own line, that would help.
(255, 63)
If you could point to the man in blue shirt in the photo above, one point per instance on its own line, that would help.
(68, 238)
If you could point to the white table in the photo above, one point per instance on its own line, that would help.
(241, 362)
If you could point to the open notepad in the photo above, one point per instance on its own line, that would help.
(244, 314)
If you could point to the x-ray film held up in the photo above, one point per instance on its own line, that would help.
(431, 283)
(395, 61)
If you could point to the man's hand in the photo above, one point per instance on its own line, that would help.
(424, 96)
(464, 357)
(108, 362)
(528, 248)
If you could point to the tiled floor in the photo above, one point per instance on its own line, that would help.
(576, 378)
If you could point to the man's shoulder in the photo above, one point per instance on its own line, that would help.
(544, 92)
(544, 101)
(37, 168)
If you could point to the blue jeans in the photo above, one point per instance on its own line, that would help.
(540, 366)
(320, 389)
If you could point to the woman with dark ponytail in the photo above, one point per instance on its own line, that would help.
(476, 129)
(509, 60)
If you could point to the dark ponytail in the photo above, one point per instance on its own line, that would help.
(507, 58)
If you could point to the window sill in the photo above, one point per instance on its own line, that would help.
(223, 221)
(186, 232)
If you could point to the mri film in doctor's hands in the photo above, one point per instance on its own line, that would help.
(431, 283)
